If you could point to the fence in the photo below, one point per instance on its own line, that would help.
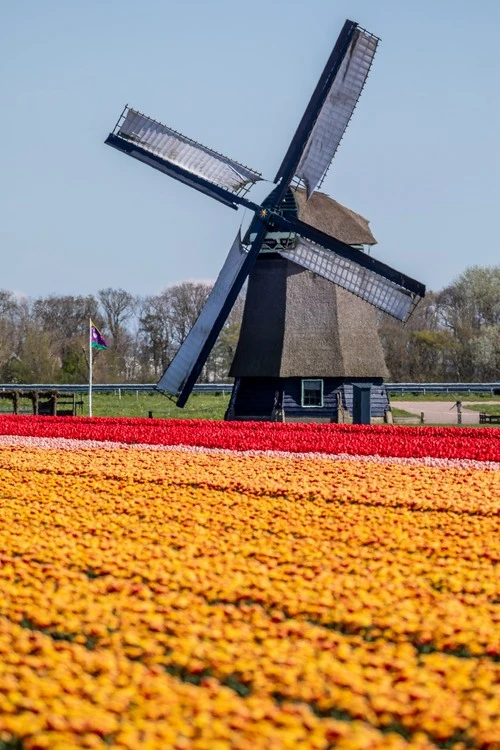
(110, 387)
(493, 389)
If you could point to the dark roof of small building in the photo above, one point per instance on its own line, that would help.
(332, 217)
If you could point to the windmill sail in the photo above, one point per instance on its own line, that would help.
(330, 109)
(182, 373)
(352, 269)
(178, 156)
(337, 110)
(351, 273)
(307, 160)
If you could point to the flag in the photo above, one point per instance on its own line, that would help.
(97, 340)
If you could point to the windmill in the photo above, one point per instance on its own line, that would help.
(308, 333)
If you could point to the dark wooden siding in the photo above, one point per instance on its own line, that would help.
(256, 397)
(378, 398)
(293, 397)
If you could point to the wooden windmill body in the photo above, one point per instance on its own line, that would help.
(308, 336)
(300, 330)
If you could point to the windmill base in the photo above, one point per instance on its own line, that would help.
(289, 399)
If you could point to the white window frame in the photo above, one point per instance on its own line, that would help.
(312, 406)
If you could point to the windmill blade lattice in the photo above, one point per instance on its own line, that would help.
(331, 106)
(351, 273)
(354, 270)
(181, 157)
(337, 110)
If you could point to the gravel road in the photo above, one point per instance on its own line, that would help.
(438, 412)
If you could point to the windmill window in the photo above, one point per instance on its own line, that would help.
(312, 392)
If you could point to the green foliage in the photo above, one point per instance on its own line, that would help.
(402, 413)
(486, 408)
(433, 339)
(15, 370)
(74, 366)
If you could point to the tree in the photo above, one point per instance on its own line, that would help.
(467, 308)
(38, 360)
(65, 320)
(166, 319)
(12, 312)
(418, 350)
(485, 350)
(74, 365)
(430, 354)
(156, 337)
(118, 308)
(186, 303)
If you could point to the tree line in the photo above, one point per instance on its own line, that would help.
(453, 335)
(46, 340)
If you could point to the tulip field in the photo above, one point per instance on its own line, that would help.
(217, 585)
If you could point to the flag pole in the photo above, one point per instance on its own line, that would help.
(90, 367)
(96, 341)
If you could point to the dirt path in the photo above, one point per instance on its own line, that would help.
(438, 412)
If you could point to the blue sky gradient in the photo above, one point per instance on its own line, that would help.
(420, 158)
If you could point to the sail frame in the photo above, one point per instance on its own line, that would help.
(332, 103)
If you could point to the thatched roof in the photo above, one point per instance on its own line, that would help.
(297, 324)
(331, 217)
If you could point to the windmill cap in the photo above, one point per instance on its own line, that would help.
(329, 216)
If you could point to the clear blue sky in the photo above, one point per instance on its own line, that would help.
(420, 158)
